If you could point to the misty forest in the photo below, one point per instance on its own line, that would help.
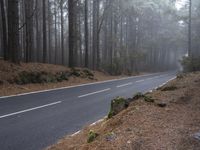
(111, 35)
(100, 74)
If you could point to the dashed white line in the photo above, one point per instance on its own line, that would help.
(123, 85)
(28, 110)
(94, 93)
(151, 78)
(140, 81)
(148, 79)
(81, 85)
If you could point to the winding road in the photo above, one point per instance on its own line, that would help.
(33, 121)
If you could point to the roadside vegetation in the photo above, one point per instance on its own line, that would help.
(28, 77)
(191, 64)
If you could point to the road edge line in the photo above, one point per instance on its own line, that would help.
(74, 86)
(100, 120)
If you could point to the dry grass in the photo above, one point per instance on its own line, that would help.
(9, 71)
(145, 126)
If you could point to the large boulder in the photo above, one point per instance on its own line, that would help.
(117, 105)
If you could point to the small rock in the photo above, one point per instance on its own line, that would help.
(111, 136)
(162, 104)
(197, 136)
(128, 142)
(128, 130)
(1, 82)
(129, 100)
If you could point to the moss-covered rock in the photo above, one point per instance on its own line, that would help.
(138, 96)
(117, 105)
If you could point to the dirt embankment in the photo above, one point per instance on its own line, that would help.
(16, 79)
(171, 122)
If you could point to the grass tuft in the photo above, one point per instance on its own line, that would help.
(92, 136)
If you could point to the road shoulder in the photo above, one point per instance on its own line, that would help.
(170, 122)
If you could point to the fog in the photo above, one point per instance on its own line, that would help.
(117, 36)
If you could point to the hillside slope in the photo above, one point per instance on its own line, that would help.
(16, 79)
(171, 122)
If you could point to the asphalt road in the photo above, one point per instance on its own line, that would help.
(36, 120)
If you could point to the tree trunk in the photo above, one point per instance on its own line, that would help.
(29, 29)
(44, 33)
(38, 37)
(189, 29)
(56, 47)
(98, 61)
(4, 27)
(62, 32)
(72, 31)
(13, 31)
(95, 33)
(49, 30)
(86, 35)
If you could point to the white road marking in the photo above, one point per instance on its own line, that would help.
(161, 85)
(31, 109)
(151, 78)
(94, 93)
(123, 85)
(68, 87)
(106, 116)
(76, 133)
(166, 82)
(148, 79)
(140, 81)
(97, 122)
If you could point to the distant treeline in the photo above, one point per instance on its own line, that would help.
(117, 36)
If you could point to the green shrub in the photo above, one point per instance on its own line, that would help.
(62, 76)
(75, 72)
(92, 136)
(191, 64)
(27, 77)
(88, 73)
(138, 95)
(40, 77)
